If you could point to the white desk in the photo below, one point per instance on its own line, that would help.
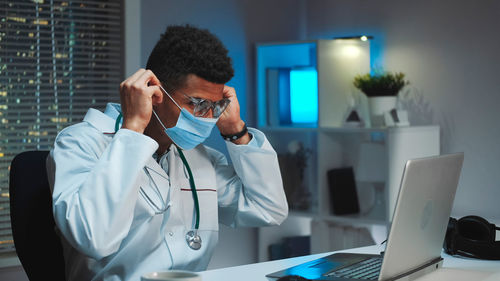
(456, 269)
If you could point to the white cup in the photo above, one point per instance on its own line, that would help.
(171, 275)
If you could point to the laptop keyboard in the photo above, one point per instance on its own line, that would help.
(368, 269)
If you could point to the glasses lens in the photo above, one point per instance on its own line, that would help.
(202, 107)
(220, 106)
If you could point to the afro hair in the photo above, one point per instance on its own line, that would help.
(184, 50)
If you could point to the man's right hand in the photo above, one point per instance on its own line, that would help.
(138, 94)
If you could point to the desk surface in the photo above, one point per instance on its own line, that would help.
(455, 269)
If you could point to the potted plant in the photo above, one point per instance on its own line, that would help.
(381, 89)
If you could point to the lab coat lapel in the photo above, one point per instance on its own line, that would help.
(177, 170)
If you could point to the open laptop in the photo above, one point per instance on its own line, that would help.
(417, 232)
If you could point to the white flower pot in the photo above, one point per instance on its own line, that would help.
(378, 106)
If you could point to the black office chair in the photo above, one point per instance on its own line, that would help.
(37, 244)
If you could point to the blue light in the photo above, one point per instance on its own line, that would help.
(304, 95)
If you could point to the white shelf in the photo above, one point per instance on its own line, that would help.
(345, 219)
(334, 130)
(354, 220)
(303, 214)
(289, 129)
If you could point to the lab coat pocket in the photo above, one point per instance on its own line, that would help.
(144, 209)
(153, 194)
(154, 201)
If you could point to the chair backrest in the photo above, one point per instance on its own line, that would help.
(37, 244)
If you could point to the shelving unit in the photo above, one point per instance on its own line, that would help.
(342, 147)
(377, 155)
(391, 147)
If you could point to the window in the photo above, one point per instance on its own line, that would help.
(57, 59)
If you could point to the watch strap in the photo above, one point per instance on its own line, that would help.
(236, 136)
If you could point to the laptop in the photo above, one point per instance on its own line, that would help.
(416, 235)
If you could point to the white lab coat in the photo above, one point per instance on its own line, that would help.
(108, 210)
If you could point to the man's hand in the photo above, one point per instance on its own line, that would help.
(138, 94)
(230, 121)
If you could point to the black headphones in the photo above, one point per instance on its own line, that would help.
(472, 236)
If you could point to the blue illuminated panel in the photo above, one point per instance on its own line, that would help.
(304, 95)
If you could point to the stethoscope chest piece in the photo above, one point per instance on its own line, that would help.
(193, 240)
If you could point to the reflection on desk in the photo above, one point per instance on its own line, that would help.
(460, 275)
(454, 268)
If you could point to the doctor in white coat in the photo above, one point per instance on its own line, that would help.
(135, 191)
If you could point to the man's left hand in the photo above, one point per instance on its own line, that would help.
(230, 122)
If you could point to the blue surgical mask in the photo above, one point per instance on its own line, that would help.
(190, 130)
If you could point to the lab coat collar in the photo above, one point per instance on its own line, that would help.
(113, 110)
(104, 122)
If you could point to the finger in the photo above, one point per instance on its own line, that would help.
(154, 79)
(228, 92)
(134, 76)
(156, 94)
(147, 76)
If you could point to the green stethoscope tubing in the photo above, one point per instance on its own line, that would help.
(193, 189)
(191, 178)
(117, 123)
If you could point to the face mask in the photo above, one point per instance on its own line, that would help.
(189, 131)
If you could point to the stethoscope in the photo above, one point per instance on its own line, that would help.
(193, 239)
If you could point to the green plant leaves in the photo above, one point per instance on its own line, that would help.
(381, 84)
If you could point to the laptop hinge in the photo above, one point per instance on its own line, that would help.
(419, 271)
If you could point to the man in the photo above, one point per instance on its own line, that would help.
(134, 191)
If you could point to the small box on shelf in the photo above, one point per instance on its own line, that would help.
(343, 193)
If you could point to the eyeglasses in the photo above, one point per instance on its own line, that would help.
(202, 106)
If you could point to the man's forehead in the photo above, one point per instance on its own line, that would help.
(203, 96)
(200, 88)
